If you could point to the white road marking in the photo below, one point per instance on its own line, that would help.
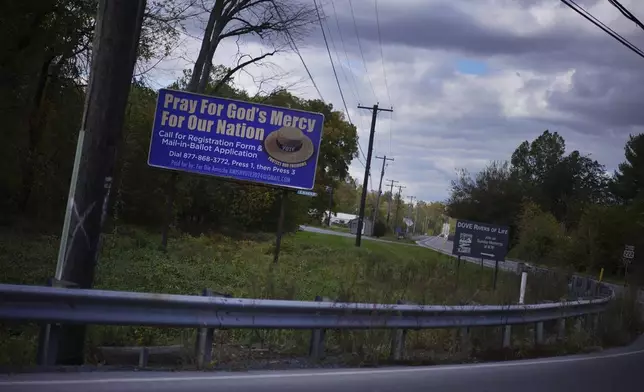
(322, 374)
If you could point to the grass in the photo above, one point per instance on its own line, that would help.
(310, 265)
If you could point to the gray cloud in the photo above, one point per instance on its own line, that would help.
(547, 69)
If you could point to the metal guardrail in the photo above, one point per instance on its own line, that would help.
(53, 305)
(62, 305)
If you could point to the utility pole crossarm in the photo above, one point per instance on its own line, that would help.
(375, 107)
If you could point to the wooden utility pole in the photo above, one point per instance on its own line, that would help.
(400, 188)
(329, 190)
(411, 209)
(365, 183)
(382, 175)
(116, 38)
(391, 196)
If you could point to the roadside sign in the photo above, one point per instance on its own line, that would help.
(480, 240)
(629, 254)
(307, 193)
(235, 139)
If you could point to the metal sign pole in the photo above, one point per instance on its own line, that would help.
(496, 274)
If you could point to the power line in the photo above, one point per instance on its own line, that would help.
(382, 57)
(364, 62)
(335, 74)
(588, 16)
(346, 53)
(626, 13)
(293, 46)
(384, 72)
(335, 50)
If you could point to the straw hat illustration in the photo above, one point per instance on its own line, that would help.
(288, 145)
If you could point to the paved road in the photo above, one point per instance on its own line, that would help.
(613, 370)
(444, 246)
(343, 234)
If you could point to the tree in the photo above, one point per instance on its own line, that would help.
(628, 180)
(346, 196)
(44, 65)
(541, 238)
(560, 184)
(273, 21)
(492, 196)
(533, 161)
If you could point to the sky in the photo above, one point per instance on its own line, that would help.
(468, 80)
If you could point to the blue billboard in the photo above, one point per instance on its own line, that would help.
(235, 139)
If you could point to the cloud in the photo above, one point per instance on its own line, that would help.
(545, 67)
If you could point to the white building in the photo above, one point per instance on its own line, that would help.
(338, 218)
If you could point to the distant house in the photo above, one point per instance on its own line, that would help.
(367, 226)
(338, 218)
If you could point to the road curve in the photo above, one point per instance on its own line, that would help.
(312, 229)
(612, 370)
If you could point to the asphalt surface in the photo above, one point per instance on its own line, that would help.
(612, 370)
(318, 230)
(444, 246)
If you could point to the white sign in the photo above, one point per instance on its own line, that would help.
(306, 193)
(629, 254)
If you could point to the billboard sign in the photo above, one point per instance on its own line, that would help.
(235, 139)
(480, 240)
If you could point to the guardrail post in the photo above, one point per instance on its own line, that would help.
(538, 333)
(316, 345)
(578, 324)
(594, 322)
(507, 336)
(561, 329)
(205, 336)
(47, 350)
(398, 339)
(143, 357)
(465, 339)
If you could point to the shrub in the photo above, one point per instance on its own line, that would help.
(379, 229)
(541, 237)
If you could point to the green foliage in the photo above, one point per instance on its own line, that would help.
(310, 264)
(379, 229)
(494, 195)
(560, 208)
(200, 204)
(540, 236)
(599, 239)
(628, 180)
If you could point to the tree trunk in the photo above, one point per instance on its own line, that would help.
(34, 131)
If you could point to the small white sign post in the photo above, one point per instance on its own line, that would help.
(627, 258)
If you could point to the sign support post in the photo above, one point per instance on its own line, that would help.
(481, 241)
(458, 267)
(280, 226)
(496, 274)
(627, 258)
(328, 218)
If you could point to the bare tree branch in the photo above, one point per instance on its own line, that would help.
(235, 18)
(232, 71)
